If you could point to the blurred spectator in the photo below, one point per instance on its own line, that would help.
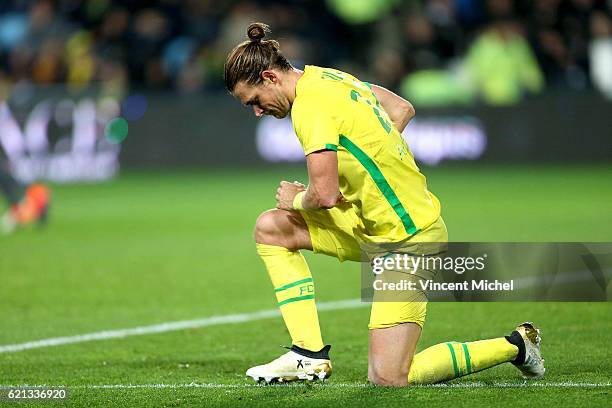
(423, 50)
(415, 45)
(80, 60)
(600, 52)
(436, 87)
(501, 66)
(360, 11)
(150, 31)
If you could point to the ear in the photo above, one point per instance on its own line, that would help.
(269, 76)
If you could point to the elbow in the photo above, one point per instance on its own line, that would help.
(408, 110)
(408, 113)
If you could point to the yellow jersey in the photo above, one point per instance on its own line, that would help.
(333, 110)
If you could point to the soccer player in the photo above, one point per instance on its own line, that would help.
(363, 187)
(26, 206)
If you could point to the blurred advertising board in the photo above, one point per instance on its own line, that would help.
(59, 138)
(64, 139)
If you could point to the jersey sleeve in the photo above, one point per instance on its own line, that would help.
(315, 125)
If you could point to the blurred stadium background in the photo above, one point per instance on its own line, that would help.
(494, 80)
(158, 175)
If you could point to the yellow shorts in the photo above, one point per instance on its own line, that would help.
(331, 233)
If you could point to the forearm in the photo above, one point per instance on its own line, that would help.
(311, 199)
(323, 190)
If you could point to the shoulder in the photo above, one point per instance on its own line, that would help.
(321, 90)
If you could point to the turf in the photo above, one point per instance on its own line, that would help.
(158, 247)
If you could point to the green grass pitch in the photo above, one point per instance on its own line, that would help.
(163, 247)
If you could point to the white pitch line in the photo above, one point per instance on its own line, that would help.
(567, 384)
(170, 326)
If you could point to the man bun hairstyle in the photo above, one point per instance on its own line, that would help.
(250, 58)
(257, 31)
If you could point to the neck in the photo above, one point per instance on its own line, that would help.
(292, 78)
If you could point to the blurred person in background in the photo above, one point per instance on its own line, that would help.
(501, 66)
(432, 54)
(364, 189)
(600, 52)
(26, 205)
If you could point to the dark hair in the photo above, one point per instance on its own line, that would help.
(250, 58)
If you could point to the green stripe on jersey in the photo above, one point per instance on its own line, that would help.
(381, 183)
(330, 146)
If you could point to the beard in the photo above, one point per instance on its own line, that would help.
(281, 107)
(279, 114)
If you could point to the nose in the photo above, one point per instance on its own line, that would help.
(258, 111)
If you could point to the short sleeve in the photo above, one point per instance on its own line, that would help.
(314, 124)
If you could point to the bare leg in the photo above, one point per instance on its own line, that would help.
(391, 352)
(283, 228)
(9, 186)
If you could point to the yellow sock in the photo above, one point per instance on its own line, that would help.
(294, 289)
(446, 361)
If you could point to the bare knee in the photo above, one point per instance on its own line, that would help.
(388, 378)
(266, 228)
(391, 353)
(282, 228)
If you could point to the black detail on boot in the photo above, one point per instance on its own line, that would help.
(516, 339)
(321, 354)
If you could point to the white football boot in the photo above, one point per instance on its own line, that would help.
(296, 365)
(533, 366)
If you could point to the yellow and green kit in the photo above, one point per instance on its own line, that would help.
(377, 172)
(387, 201)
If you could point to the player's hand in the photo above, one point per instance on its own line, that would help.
(286, 192)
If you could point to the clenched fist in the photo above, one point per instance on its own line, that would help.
(286, 192)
